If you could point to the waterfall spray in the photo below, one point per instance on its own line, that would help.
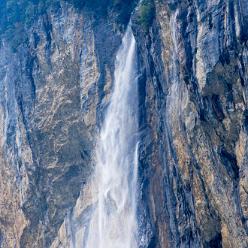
(114, 222)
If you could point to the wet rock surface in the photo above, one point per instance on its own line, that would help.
(51, 87)
(55, 86)
(193, 112)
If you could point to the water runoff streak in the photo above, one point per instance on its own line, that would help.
(113, 224)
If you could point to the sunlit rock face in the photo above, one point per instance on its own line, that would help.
(51, 87)
(193, 97)
(56, 82)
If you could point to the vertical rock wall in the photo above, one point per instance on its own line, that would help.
(193, 156)
(51, 86)
(55, 85)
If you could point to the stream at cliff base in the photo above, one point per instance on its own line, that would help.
(114, 222)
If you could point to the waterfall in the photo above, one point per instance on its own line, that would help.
(113, 224)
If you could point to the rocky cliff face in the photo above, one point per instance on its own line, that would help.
(56, 77)
(193, 159)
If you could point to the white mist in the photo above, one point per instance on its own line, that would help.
(114, 223)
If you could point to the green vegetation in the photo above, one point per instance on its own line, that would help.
(146, 14)
(17, 15)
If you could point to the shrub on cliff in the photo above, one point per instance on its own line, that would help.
(146, 14)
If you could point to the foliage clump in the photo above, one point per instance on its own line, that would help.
(146, 14)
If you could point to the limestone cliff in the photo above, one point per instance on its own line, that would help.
(56, 72)
(193, 64)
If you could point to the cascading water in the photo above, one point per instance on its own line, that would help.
(113, 224)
